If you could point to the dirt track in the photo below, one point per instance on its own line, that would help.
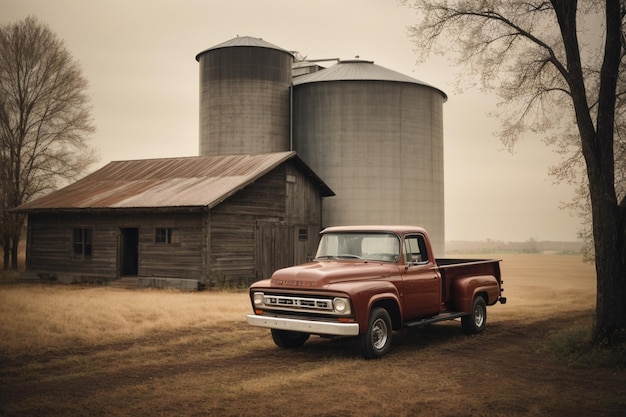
(234, 370)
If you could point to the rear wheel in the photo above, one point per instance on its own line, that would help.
(376, 342)
(287, 340)
(475, 322)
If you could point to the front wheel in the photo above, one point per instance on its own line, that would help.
(475, 322)
(376, 342)
(286, 339)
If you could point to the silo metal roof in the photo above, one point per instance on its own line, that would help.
(201, 182)
(352, 70)
(244, 41)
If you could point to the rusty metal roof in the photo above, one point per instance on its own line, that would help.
(201, 182)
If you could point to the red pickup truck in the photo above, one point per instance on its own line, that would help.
(367, 281)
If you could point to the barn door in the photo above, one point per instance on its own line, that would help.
(274, 247)
(129, 251)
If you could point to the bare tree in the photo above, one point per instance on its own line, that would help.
(531, 54)
(44, 122)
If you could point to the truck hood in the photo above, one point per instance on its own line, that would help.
(320, 274)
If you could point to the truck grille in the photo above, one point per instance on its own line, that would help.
(299, 303)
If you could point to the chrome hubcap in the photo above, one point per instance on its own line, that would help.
(379, 334)
(479, 316)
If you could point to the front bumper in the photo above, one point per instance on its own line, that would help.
(304, 326)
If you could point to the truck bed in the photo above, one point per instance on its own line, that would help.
(453, 268)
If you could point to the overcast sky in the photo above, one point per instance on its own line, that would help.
(139, 59)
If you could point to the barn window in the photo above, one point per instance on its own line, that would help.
(166, 235)
(82, 243)
(303, 234)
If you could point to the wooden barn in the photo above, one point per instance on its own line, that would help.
(185, 222)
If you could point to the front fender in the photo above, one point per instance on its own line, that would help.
(364, 294)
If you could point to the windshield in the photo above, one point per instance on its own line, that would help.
(370, 246)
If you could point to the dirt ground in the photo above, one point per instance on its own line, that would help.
(232, 369)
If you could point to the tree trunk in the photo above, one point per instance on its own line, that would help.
(608, 217)
(609, 236)
(15, 246)
(6, 251)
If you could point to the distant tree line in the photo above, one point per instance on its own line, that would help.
(529, 246)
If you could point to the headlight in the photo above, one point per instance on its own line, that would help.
(341, 305)
(258, 299)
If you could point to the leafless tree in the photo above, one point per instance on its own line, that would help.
(554, 78)
(44, 122)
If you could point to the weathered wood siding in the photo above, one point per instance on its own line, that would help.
(49, 248)
(181, 259)
(233, 228)
(258, 230)
(304, 210)
(275, 248)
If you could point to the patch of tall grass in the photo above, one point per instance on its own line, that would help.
(573, 346)
(38, 318)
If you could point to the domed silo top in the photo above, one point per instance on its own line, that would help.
(244, 41)
(359, 70)
(244, 97)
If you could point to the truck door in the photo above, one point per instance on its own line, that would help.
(422, 283)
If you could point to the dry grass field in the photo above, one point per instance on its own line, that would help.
(98, 351)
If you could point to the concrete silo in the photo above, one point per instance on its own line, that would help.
(375, 137)
(244, 97)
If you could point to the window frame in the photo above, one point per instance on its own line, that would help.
(421, 246)
(166, 236)
(82, 243)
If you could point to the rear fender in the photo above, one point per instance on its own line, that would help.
(465, 289)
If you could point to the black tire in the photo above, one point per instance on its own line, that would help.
(376, 341)
(288, 340)
(475, 322)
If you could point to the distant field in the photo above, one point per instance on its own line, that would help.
(530, 246)
(82, 350)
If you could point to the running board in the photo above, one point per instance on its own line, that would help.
(435, 319)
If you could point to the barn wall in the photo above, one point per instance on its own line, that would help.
(259, 229)
(49, 247)
(180, 259)
(233, 228)
(304, 210)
